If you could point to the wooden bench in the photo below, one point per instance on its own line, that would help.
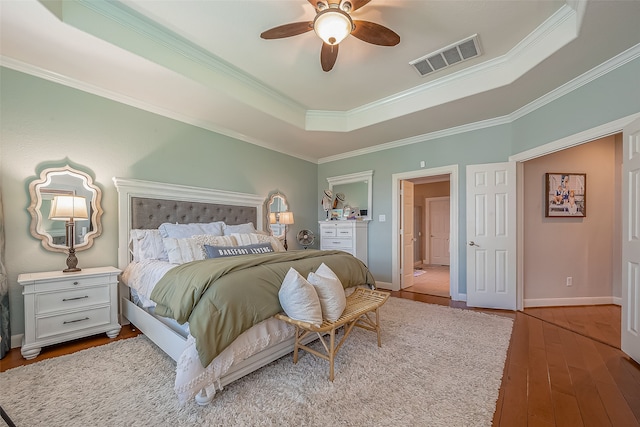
(362, 304)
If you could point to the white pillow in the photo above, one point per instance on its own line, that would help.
(190, 249)
(299, 300)
(244, 239)
(147, 244)
(330, 292)
(183, 231)
(240, 228)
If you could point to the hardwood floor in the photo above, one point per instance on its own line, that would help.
(14, 358)
(563, 368)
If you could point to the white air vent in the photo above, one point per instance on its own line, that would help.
(446, 57)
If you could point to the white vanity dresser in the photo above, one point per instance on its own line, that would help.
(349, 236)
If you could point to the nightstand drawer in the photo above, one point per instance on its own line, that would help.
(71, 299)
(70, 283)
(48, 326)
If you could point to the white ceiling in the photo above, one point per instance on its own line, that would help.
(203, 62)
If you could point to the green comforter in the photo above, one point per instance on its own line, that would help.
(223, 297)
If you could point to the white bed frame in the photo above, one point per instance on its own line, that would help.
(170, 341)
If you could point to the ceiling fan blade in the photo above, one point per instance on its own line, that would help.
(328, 56)
(373, 33)
(287, 30)
(357, 4)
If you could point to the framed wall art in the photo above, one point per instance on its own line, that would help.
(565, 195)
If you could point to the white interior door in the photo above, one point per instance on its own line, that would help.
(439, 223)
(406, 233)
(631, 241)
(491, 235)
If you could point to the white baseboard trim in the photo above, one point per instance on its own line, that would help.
(386, 285)
(460, 297)
(551, 302)
(16, 340)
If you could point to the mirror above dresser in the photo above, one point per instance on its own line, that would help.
(355, 190)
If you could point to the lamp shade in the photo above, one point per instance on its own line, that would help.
(332, 25)
(64, 208)
(286, 218)
(273, 218)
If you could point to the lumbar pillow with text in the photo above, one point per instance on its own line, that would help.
(330, 292)
(225, 251)
(299, 299)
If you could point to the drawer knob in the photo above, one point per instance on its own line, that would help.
(76, 283)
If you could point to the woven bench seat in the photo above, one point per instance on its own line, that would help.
(362, 305)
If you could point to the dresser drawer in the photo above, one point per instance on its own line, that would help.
(332, 230)
(71, 299)
(337, 243)
(47, 326)
(70, 283)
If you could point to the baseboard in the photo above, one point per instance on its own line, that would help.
(16, 340)
(551, 302)
(386, 285)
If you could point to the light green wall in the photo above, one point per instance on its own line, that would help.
(45, 124)
(607, 98)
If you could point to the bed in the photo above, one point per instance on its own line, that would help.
(143, 206)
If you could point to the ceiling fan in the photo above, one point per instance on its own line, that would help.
(333, 24)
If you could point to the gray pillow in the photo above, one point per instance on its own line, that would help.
(225, 251)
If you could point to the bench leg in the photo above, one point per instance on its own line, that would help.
(332, 352)
(296, 346)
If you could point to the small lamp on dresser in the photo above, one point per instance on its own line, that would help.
(69, 209)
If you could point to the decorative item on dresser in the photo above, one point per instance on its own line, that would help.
(69, 209)
(64, 306)
(348, 236)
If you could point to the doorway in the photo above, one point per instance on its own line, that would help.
(444, 275)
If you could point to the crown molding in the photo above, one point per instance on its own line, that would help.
(596, 72)
(553, 34)
(122, 26)
(35, 71)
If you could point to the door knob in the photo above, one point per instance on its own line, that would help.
(472, 243)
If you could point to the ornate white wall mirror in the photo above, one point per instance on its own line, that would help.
(64, 181)
(276, 203)
(353, 192)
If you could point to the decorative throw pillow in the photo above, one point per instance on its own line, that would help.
(147, 244)
(299, 299)
(190, 249)
(183, 231)
(330, 292)
(253, 238)
(226, 251)
(240, 228)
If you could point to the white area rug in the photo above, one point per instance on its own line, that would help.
(438, 366)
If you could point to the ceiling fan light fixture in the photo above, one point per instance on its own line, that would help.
(332, 25)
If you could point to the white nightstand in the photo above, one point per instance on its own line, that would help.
(64, 306)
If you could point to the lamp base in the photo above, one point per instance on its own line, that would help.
(72, 262)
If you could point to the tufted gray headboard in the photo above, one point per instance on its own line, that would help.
(150, 213)
(147, 204)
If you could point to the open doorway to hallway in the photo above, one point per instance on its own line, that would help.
(431, 235)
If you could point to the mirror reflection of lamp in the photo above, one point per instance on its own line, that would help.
(69, 209)
(284, 218)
